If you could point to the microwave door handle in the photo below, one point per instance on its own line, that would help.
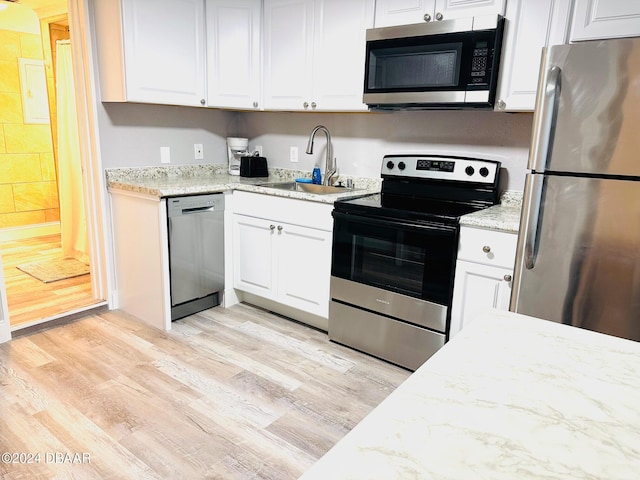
(544, 122)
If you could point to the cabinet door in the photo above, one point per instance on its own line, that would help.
(164, 53)
(477, 288)
(339, 53)
(233, 53)
(304, 268)
(253, 255)
(530, 26)
(449, 9)
(402, 12)
(288, 37)
(593, 19)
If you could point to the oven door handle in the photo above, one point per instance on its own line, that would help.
(391, 223)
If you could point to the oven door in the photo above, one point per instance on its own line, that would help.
(412, 259)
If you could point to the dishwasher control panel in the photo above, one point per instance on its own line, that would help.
(213, 202)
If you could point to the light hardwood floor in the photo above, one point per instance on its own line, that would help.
(234, 393)
(30, 299)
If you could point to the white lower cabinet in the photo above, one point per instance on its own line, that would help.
(484, 272)
(286, 257)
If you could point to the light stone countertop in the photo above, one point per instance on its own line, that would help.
(504, 217)
(199, 179)
(510, 397)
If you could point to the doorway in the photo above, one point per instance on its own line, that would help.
(37, 245)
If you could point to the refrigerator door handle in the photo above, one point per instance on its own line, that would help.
(545, 119)
(535, 188)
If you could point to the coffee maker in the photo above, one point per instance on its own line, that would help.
(236, 148)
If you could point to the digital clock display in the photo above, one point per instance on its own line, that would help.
(435, 165)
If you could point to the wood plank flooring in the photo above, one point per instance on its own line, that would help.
(234, 393)
(30, 299)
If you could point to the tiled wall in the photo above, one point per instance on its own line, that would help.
(28, 189)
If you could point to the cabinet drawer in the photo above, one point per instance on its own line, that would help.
(288, 210)
(487, 247)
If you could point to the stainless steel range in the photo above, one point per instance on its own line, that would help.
(394, 255)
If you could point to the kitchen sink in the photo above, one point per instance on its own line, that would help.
(306, 187)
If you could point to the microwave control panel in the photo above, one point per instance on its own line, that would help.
(480, 63)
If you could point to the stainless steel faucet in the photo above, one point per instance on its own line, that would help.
(330, 162)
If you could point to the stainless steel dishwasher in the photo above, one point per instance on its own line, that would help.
(196, 252)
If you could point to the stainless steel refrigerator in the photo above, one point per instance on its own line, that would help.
(578, 258)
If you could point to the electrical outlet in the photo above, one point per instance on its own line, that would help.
(259, 150)
(197, 151)
(293, 154)
(165, 155)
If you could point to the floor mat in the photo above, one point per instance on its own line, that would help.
(53, 270)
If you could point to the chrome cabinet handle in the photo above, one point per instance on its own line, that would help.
(439, 16)
(279, 228)
(507, 278)
(501, 104)
(255, 104)
(486, 249)
(427, 17)
(272, 227)
(202, 101)
(305, 105)
(313, 105)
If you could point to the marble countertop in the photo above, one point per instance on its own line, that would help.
(197, 179)
(504, 217)
(510, 397)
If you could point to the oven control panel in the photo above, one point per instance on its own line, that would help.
(440, 167)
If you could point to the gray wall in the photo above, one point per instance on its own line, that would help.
(131, 136)
(361, 140)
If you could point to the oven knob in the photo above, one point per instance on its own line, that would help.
(401, 165)
(469, 170)
(484, 171)
(390, 165)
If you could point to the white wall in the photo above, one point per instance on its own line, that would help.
(131, 134)
(361, 140)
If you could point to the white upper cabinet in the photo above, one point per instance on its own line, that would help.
(339, 53)
(598, 19)
(401, 12)
(288, 40)
(314, 52)
(234, 76)
(151, 51)
(530, 26)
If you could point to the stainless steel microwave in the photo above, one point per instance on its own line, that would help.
(440, 65)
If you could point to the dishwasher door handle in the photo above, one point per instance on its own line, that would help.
(187, 211)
